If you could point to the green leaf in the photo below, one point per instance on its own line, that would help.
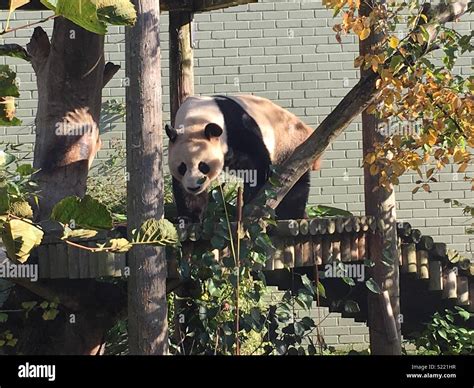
(349, 281)
(321, 290)
(217, 242)
(464, 314)
(3, 317)
(8, 86)
(373, 286)
(326, 211)
(156, 232)
(85, 213)
(79, 233)
(119, 245)
(6, 158)
(119, 12)
(81, 12)
(29, 305)
(4, 200)
(50, 315)
(308, 284)
(396, 63)
(442, 334)
(19, 238)
(25, 169)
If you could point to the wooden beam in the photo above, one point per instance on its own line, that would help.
(383, 313)
(200, 5)
(165, 5)
(181, 59)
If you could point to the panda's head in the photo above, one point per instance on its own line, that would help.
(196, 156)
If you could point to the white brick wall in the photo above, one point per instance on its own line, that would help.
(286, 51)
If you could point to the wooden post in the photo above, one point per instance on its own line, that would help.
(181, 59)
(147, 308)
(381, 205)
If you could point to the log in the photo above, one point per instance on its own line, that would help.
(439, 251)
(304, 227)
(449, 284)
(317, 250)
(409, 257)
(463, 290)
(361, 247)
(288, 228)
(346, 254)
(326, 250)
(289, 254)
(422, 264)
(308, 259)
(404, 230)
(298, 253)
(43, 261)
(436, 275)
(415, 236)
(354, 247)
(73, 262)
(426, 243)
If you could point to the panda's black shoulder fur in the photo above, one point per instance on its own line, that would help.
(247, 150)
(243, 132)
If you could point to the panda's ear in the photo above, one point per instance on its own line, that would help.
(171, 132)
(212, 131)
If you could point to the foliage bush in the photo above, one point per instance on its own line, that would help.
(445, 334)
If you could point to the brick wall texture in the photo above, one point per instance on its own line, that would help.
(285, 51)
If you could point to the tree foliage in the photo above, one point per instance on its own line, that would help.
(426, 107)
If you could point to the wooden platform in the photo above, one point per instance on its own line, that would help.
(298, 244)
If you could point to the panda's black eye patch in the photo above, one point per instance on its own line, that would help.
(182, 169)
(204, 167)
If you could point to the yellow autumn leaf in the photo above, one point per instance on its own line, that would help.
(14, 4)
(370, 158)
(458, 156)
(373, 169)
(359, 61)
(393, 42)
(364, 34)
(462, 167)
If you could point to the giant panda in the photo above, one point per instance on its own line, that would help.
(240, 132)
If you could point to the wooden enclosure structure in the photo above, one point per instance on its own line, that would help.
(298, 244)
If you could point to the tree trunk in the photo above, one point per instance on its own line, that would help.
(147, 316)
(181, 59)
(70, 77)
(384, 309)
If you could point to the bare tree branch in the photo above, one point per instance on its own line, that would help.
(38, 49)
(14, 51)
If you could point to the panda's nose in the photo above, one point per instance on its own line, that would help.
(194, 189)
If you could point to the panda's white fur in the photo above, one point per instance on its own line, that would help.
(281, 132)
(278, 126)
